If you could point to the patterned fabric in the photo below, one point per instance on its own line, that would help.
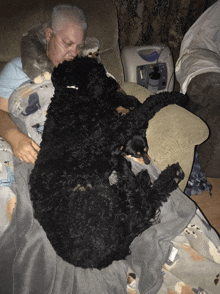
(7, 178)
(193, 266)
(197, 182)
(155, 21)
(28, 105)
(6, 165)
(202, 258)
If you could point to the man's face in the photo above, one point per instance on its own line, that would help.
(65, 44)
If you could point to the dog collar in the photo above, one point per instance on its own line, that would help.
(73, 87)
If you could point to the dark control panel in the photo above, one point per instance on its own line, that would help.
(152, 76)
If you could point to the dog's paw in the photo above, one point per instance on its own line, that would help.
(179, 174)
(176, 172)
(78, 187)
(121, 110)
(169, 178)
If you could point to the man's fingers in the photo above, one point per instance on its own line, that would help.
(29, 152)
(30, 158)
(36, 147)
(27, 158)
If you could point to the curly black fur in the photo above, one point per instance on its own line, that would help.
(89, 222)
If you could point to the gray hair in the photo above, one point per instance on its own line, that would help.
(64, 13)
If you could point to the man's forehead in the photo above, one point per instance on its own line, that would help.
(72, 31)
(68, 27)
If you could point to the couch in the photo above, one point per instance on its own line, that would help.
(172, 134)
(198, 72)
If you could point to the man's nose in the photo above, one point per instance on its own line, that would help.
(72, 52)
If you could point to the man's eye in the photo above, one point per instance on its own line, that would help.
(67, 43)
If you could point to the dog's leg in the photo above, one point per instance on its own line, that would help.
(169, 179)
(153, 195)
(156, 102)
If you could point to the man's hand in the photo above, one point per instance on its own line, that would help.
(22, 146)
(25, 148)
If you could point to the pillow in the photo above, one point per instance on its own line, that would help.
(28, 107)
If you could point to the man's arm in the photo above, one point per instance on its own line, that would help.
(22, 145)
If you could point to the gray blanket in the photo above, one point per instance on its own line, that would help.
(30, 265)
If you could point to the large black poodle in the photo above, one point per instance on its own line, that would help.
(89, 221)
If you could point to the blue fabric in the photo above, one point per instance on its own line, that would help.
(197, 182)
(11, 77)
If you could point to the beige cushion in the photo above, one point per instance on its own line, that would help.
(136, 90)
(172, 135)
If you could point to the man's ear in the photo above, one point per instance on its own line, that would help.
(48, 34)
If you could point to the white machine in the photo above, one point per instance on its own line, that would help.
(149, 66)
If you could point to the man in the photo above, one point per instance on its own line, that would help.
(65, 37)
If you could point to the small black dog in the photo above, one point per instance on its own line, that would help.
(89, 222)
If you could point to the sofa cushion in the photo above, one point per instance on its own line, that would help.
(175, 142)
(2, 64)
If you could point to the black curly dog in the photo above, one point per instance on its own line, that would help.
(89, 222)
